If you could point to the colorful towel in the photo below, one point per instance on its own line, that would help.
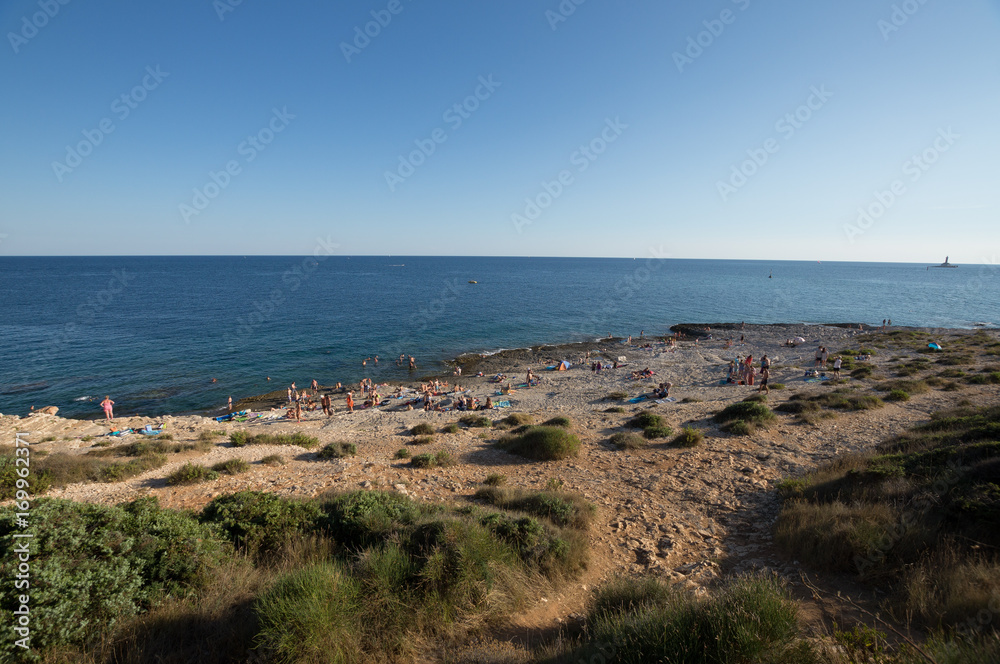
(667, 400)
(637, 399)
(502, 404)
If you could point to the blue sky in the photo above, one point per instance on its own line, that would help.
(721, 129)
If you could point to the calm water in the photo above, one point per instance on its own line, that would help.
(153, 332)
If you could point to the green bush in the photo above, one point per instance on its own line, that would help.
(402, 453)
(898, 395)
(422, 429)
(442, 458)
(653, 433)
(260, 523)
(646, 419)
(513, 421)
(362, 518)
(95, 566)
(558, 421)
(495, 479)
(273, 460)
(751, 620)
(191, 473)
(337, 451)
(747, 411)
(614, 409)
(476, 421)
(616, 396)
(422, 440)
(628, 441)
(688, 437)
(37, 482)
(561, 508)
(542, 443)
(451, 428)
(231, 467)
(241, 438)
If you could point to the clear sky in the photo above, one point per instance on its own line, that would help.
(717, 129)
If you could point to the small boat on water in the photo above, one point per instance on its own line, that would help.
(944, 264)
(473, 282)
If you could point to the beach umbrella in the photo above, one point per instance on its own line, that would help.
(799, 340)
(934, 346)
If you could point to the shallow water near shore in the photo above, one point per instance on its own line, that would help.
(154, 331)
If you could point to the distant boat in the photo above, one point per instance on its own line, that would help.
(473, 282)
(944, 264)
(771, 275)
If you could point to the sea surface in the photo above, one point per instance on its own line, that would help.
(153, 332)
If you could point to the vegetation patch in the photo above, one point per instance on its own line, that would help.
(558, 421)
(744, 417)
(513, 421)
(451, 428)
(688, 437)
(273, 460)
(241, 438)
(614, 409)
(442, 458)
(628, 441)
(402, 453)
(913, 516)
(231, 467)
(422, 429)
(495, 479)
(542, 443)
(422, 440)
(616, 396)
(337, 451)
(559, 507)
(476, 421)
(191, 473)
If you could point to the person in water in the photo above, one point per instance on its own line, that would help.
(107, 405)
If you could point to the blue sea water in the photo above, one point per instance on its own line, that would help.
(153, 331)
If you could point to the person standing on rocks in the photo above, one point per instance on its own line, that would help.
(325, 403)
(108, 405)
(765, 373)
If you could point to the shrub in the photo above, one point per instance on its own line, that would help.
(422, 429)
(558, 421)
(542, 443)
(653, 433)
(691, 400)
(495, 479)
(756, 397)
(422, 440)
(514, 420)
(402, 453)
(898, 395)
(38, 482)
(209, 436)
(862, 372)
(259, 523)
(123, 470)
(99, 566)
(191, 473)
(616, 396)
(628, 441)
(751, 620)
(239, 438)
(476, 421)
(559, 507)
(273, 460)
(688, 437)
(776, 386)
(337, 451)
(232, 467)
(442, 458)
(614, 409)
(991, 378)
(451, 428)
(646, 419)
(745, 411)
(739, 427)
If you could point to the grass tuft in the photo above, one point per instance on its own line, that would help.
(542, 443)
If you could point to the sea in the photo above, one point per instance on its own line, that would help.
(181, 334)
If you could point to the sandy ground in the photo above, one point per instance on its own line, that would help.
(686, 514)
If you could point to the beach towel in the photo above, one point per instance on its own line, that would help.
(502, 404)
(637, 399)
(552, 368)
(815, 379)
(667, 400)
